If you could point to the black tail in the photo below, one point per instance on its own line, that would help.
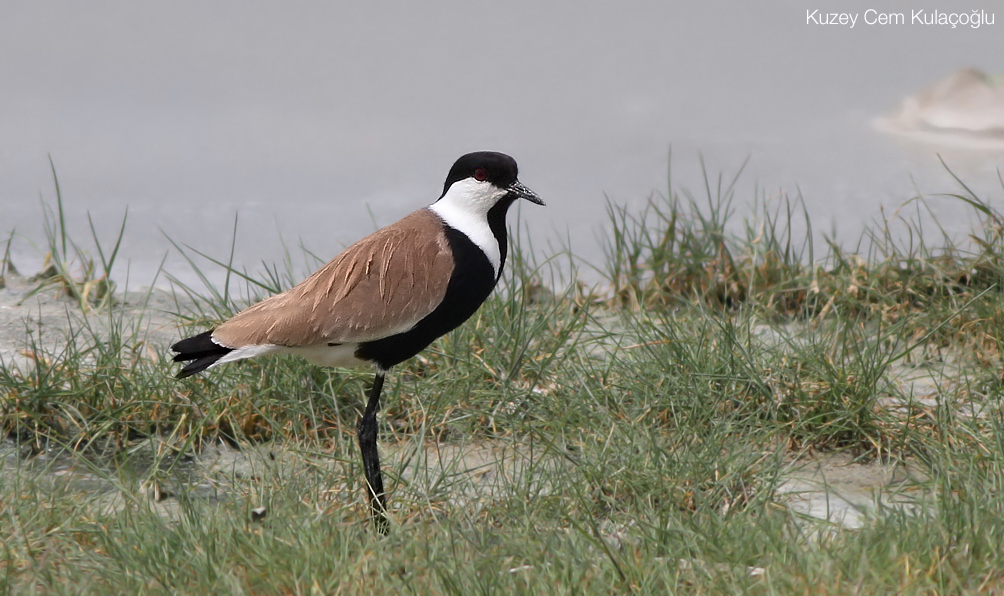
(200, 352)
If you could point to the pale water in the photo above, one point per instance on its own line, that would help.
(321, 121)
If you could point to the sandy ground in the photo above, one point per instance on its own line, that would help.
(43, 319)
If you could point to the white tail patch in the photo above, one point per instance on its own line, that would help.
(247, 352)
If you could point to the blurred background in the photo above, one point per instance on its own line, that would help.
(321, 121)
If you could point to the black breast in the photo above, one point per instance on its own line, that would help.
(472, 281)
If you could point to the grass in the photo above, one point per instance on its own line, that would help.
(69, 268)
(630, 439)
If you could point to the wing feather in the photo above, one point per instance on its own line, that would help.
(380, 286)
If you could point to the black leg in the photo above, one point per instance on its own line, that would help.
(371, 458)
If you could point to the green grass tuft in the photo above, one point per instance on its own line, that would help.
(633, 438)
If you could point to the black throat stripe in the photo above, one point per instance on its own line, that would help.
(496, 222)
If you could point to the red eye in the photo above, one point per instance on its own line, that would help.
(480, 174)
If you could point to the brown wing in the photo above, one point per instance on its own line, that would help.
(382, 285)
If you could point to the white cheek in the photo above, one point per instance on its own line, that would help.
(474, 196)
(465, 207)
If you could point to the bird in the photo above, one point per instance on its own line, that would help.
(386, 297)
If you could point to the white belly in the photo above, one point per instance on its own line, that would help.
(343, 355)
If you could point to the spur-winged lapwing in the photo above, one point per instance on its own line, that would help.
(386, 297)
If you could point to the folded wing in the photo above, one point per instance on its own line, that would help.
(380, 286)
